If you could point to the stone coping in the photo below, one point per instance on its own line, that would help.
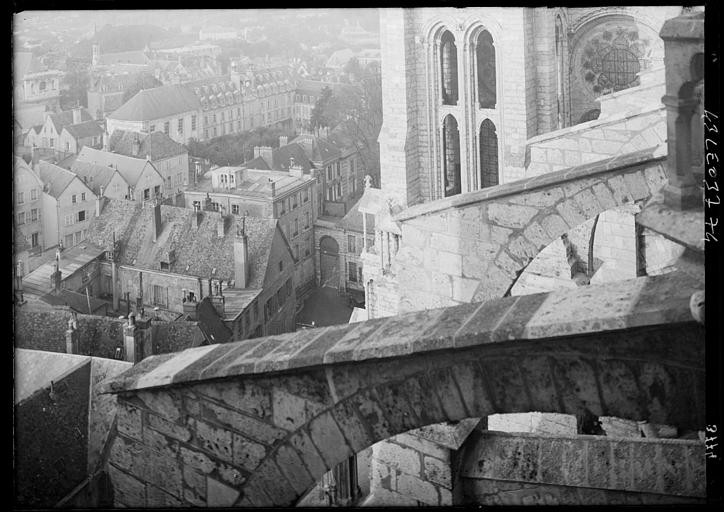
(590, 437)
(674, 224)
(616, 163)
(578, 313)
(687, 26)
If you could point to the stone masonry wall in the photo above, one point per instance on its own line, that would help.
(595, 140)
(583, 469)
(407, 470)
(473, 247)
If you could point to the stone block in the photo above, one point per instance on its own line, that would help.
(536, 371)
(645, 468)
(129, 421)
(576, 380)
(619, 427)
(597, 459)
(508, 265)
(422, 445)
(438, 472)
(440, 284)
(275, 484)
(555, 226)
(197, 460)
(463, 289)
(173, 430)
(499, 235)
(655, 178)
(444, 242)
(474, 266)
(450, 263)
(127, 490)
(249, 427)
(394, 402)
(571, 213)
(291, 411)
(522, 249)
(637, 185)
(621, 475)
(419, 489)
(415, 236)
(511, 216)
(452, 403)
(620, 192)
(328, 439)
(398, 457)
(536, 235)
(351, 425)
(160, 443)
(588, 203)
(163, 403)
(220, 494)
(247, 454)
(214, 440)
(294, 469)
(156, 498)
(243, 396)
(604, 196)
(194, 486)
(302, 443)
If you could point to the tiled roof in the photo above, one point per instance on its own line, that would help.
(130, 168)
(353, 220)
(157, 145)
(62, 119)
(197, 251)
(157, 103)
(95, 176)
(84, 130)
(54, 178)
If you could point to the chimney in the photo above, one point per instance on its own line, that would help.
(257, 151)
(241, 256)
(156, 220)
(283, 140)
(295, 169)
(100, 202)
(131, 335)
(273, 187)
(218, 302)
(266, 153)
(207, 203)
(220, 227)
(76, 115)
(72, 336)
(136, 147)
(34, 157)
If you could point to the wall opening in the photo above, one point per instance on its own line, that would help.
(451, 148)
(449, 69)
(488, 154)
(485, 60)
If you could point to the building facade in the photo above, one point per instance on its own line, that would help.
(68, 206)
(286, 196)
(28, 207)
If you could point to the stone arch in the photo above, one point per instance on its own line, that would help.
(229, 438)
(486, 84)
(448, 73)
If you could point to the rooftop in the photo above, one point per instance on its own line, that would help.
(157, 103)
(62, 119)
(129, 167)
(198, 252)
(254, 183)
(55, 179)
(157, 145)
(84, 130)
(353, 220)
(93, 175)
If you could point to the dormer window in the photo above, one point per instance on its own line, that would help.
(164, 265)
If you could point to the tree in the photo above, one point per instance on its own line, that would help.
(144, 81)
(323, 109)
(77, 80)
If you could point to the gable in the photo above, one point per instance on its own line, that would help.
(280, 251)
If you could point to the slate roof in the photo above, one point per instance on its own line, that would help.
(281, 157)
(84, 130)
(96, 176)
(76, 301)
(198, 251)
(353, 220)
(54, 178)
(257, 163)
(128, 167)
(62, 119)
(211, 324)
(156, 103)
(157, 145)
(317, 149)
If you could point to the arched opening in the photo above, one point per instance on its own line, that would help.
(449, 69)
(329, 262)
(591, 115)
(451, 150)
(485, 66)
(488, 154)
(559, 73)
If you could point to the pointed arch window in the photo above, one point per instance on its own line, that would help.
(451, 148)
(485, 60)
(449, 69)
(488, 154)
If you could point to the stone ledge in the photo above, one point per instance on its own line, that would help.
(594, 309)
(619, 163)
